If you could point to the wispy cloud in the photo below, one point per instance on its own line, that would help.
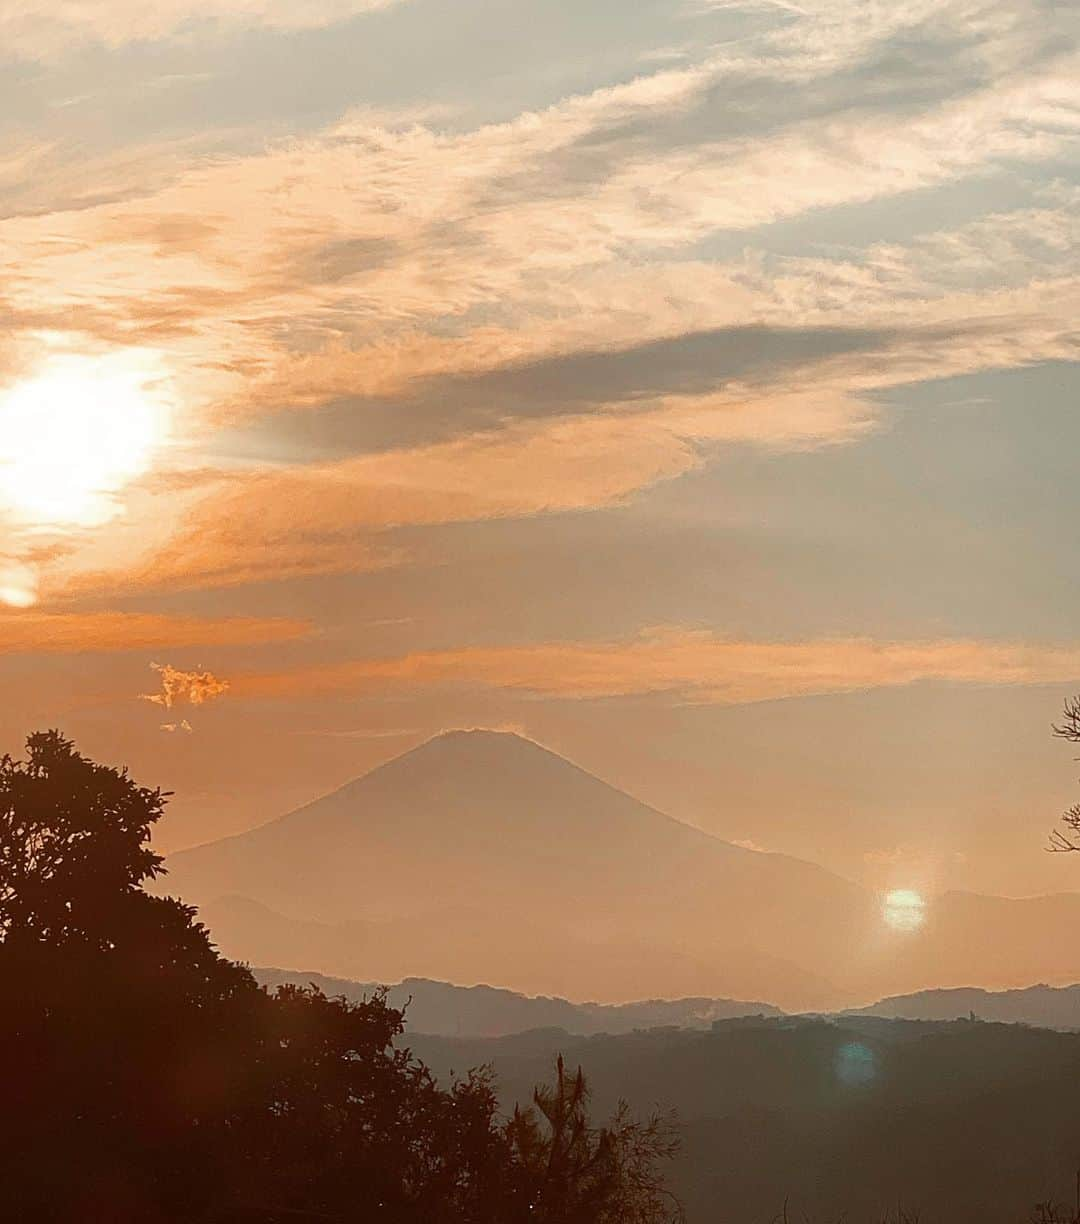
(692, 666)
(364, 733)
(394, 265)
(91, 632)
(35, 29)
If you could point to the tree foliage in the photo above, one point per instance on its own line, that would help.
(147, 1078)
(73, 845)
(580, 1175)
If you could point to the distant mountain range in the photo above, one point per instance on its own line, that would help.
(1055, 1007)
(482, 857)
(440, 1009)
(444, 1010)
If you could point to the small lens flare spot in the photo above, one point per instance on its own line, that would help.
(855, 1064)
(904, 909)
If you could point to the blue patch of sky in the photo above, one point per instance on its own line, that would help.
(959, 515)
(482, 60)
(841, 229)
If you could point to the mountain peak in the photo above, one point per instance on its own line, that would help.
(567, 881)
(465, 750)
(480, 735)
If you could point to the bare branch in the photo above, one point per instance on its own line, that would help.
(1069, 727)
(1067, 839)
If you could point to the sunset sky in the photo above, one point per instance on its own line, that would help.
(690, 385)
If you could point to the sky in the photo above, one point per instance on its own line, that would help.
(690, 385)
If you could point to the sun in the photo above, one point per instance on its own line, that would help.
(904, 909)
(18, 585)
(73, 435)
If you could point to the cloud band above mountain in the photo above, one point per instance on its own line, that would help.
(688, 665)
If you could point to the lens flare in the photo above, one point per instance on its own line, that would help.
(855, 1064)
(904, 909)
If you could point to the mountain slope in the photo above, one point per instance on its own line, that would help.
(483, 857)
(555, 865)
(498, 808)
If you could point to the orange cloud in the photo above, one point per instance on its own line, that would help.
(382, 252)
(322, 518)
(177, 687)
(208, 269)
(687, 665)
(90, 632)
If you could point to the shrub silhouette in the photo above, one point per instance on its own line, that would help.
(147, 1078)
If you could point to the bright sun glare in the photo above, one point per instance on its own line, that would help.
(71, 437)
(904, 909)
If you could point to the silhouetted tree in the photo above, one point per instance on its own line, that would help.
(146, 1078)
(343, 1117)
(580, 1175)
(120, 1025)
(1049, 1212)
(73, 846)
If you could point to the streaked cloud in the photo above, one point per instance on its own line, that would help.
(34, 29)
(692, 666)
(463, 297)
(341, 517)
(32, 633)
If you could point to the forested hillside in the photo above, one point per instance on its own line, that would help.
(959, 1121)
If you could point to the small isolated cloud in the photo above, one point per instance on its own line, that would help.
(182, 725)
(177, 687)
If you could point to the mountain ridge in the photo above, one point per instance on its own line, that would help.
(444, 1009)
(437, 1008)
(1039, 1005)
